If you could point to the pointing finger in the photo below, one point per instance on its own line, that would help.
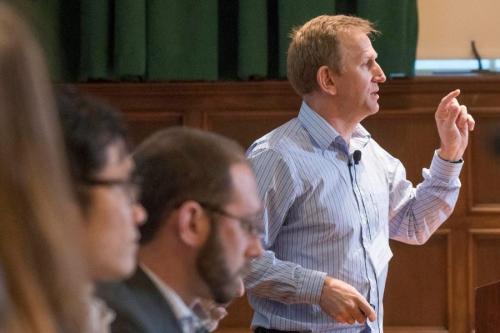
(446, 100)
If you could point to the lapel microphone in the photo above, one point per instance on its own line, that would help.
(356, 156)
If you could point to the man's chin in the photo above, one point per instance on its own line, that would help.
(223, 298)
(237, 291)
(374, 109)
(229, 291)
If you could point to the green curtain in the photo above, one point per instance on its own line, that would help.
(398, 23)
(160, 40)
(149, 39)
(95, 40)
(293, 13)
(130, 29)
(253, 39)
(182, 40)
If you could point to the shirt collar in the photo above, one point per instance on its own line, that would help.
(324, 134)
(180, 309)
(101, 316)
(360, 137)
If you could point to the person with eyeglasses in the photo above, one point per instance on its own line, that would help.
(101, 168)
(203, 230)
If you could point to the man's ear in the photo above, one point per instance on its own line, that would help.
(326, 80)
(193, 224)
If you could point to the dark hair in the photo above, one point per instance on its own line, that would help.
(89, 127)
(180, 164)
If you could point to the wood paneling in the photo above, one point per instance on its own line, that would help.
(484, 256)
(400, 133)
(430, 287)
(485, 163)
(487, 317)
(245, 127)
(142, 124)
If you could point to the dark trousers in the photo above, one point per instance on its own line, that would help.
(270, 330)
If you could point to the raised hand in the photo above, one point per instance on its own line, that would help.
(453, 124)
(344, 303)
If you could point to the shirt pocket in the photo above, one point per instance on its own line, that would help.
(378, 217)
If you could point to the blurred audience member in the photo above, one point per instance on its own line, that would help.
(43, 277)
(101, 168)
(201, 233)
(4, 304)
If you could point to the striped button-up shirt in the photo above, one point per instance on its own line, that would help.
(324, 217)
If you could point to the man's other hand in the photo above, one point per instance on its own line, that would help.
(344, 303)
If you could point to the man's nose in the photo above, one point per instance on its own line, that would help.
(139, 213)
(255, 248)
(378, 74)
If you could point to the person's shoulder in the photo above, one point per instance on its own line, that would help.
(379, 156)
(138, 305)
(139, 287)
(280, 140)
(119, 297)
(111, 290)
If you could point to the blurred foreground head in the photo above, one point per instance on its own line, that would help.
(39, 248)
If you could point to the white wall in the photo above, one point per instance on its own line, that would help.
(446, 28)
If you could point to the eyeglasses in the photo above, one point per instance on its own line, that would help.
(251, 225)
(130, 188)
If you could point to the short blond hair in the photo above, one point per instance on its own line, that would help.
(316, 44)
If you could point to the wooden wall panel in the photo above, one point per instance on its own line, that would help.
(485, 163)
(401, 134)
(142, 124)
(420, 288)
(487, 259)
(244, 318)
(430, 287)
(484, 259)
(245, 127)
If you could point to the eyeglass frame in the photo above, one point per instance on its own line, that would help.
(247, 224)
(131, 187)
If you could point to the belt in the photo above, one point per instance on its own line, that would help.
(270, 330)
